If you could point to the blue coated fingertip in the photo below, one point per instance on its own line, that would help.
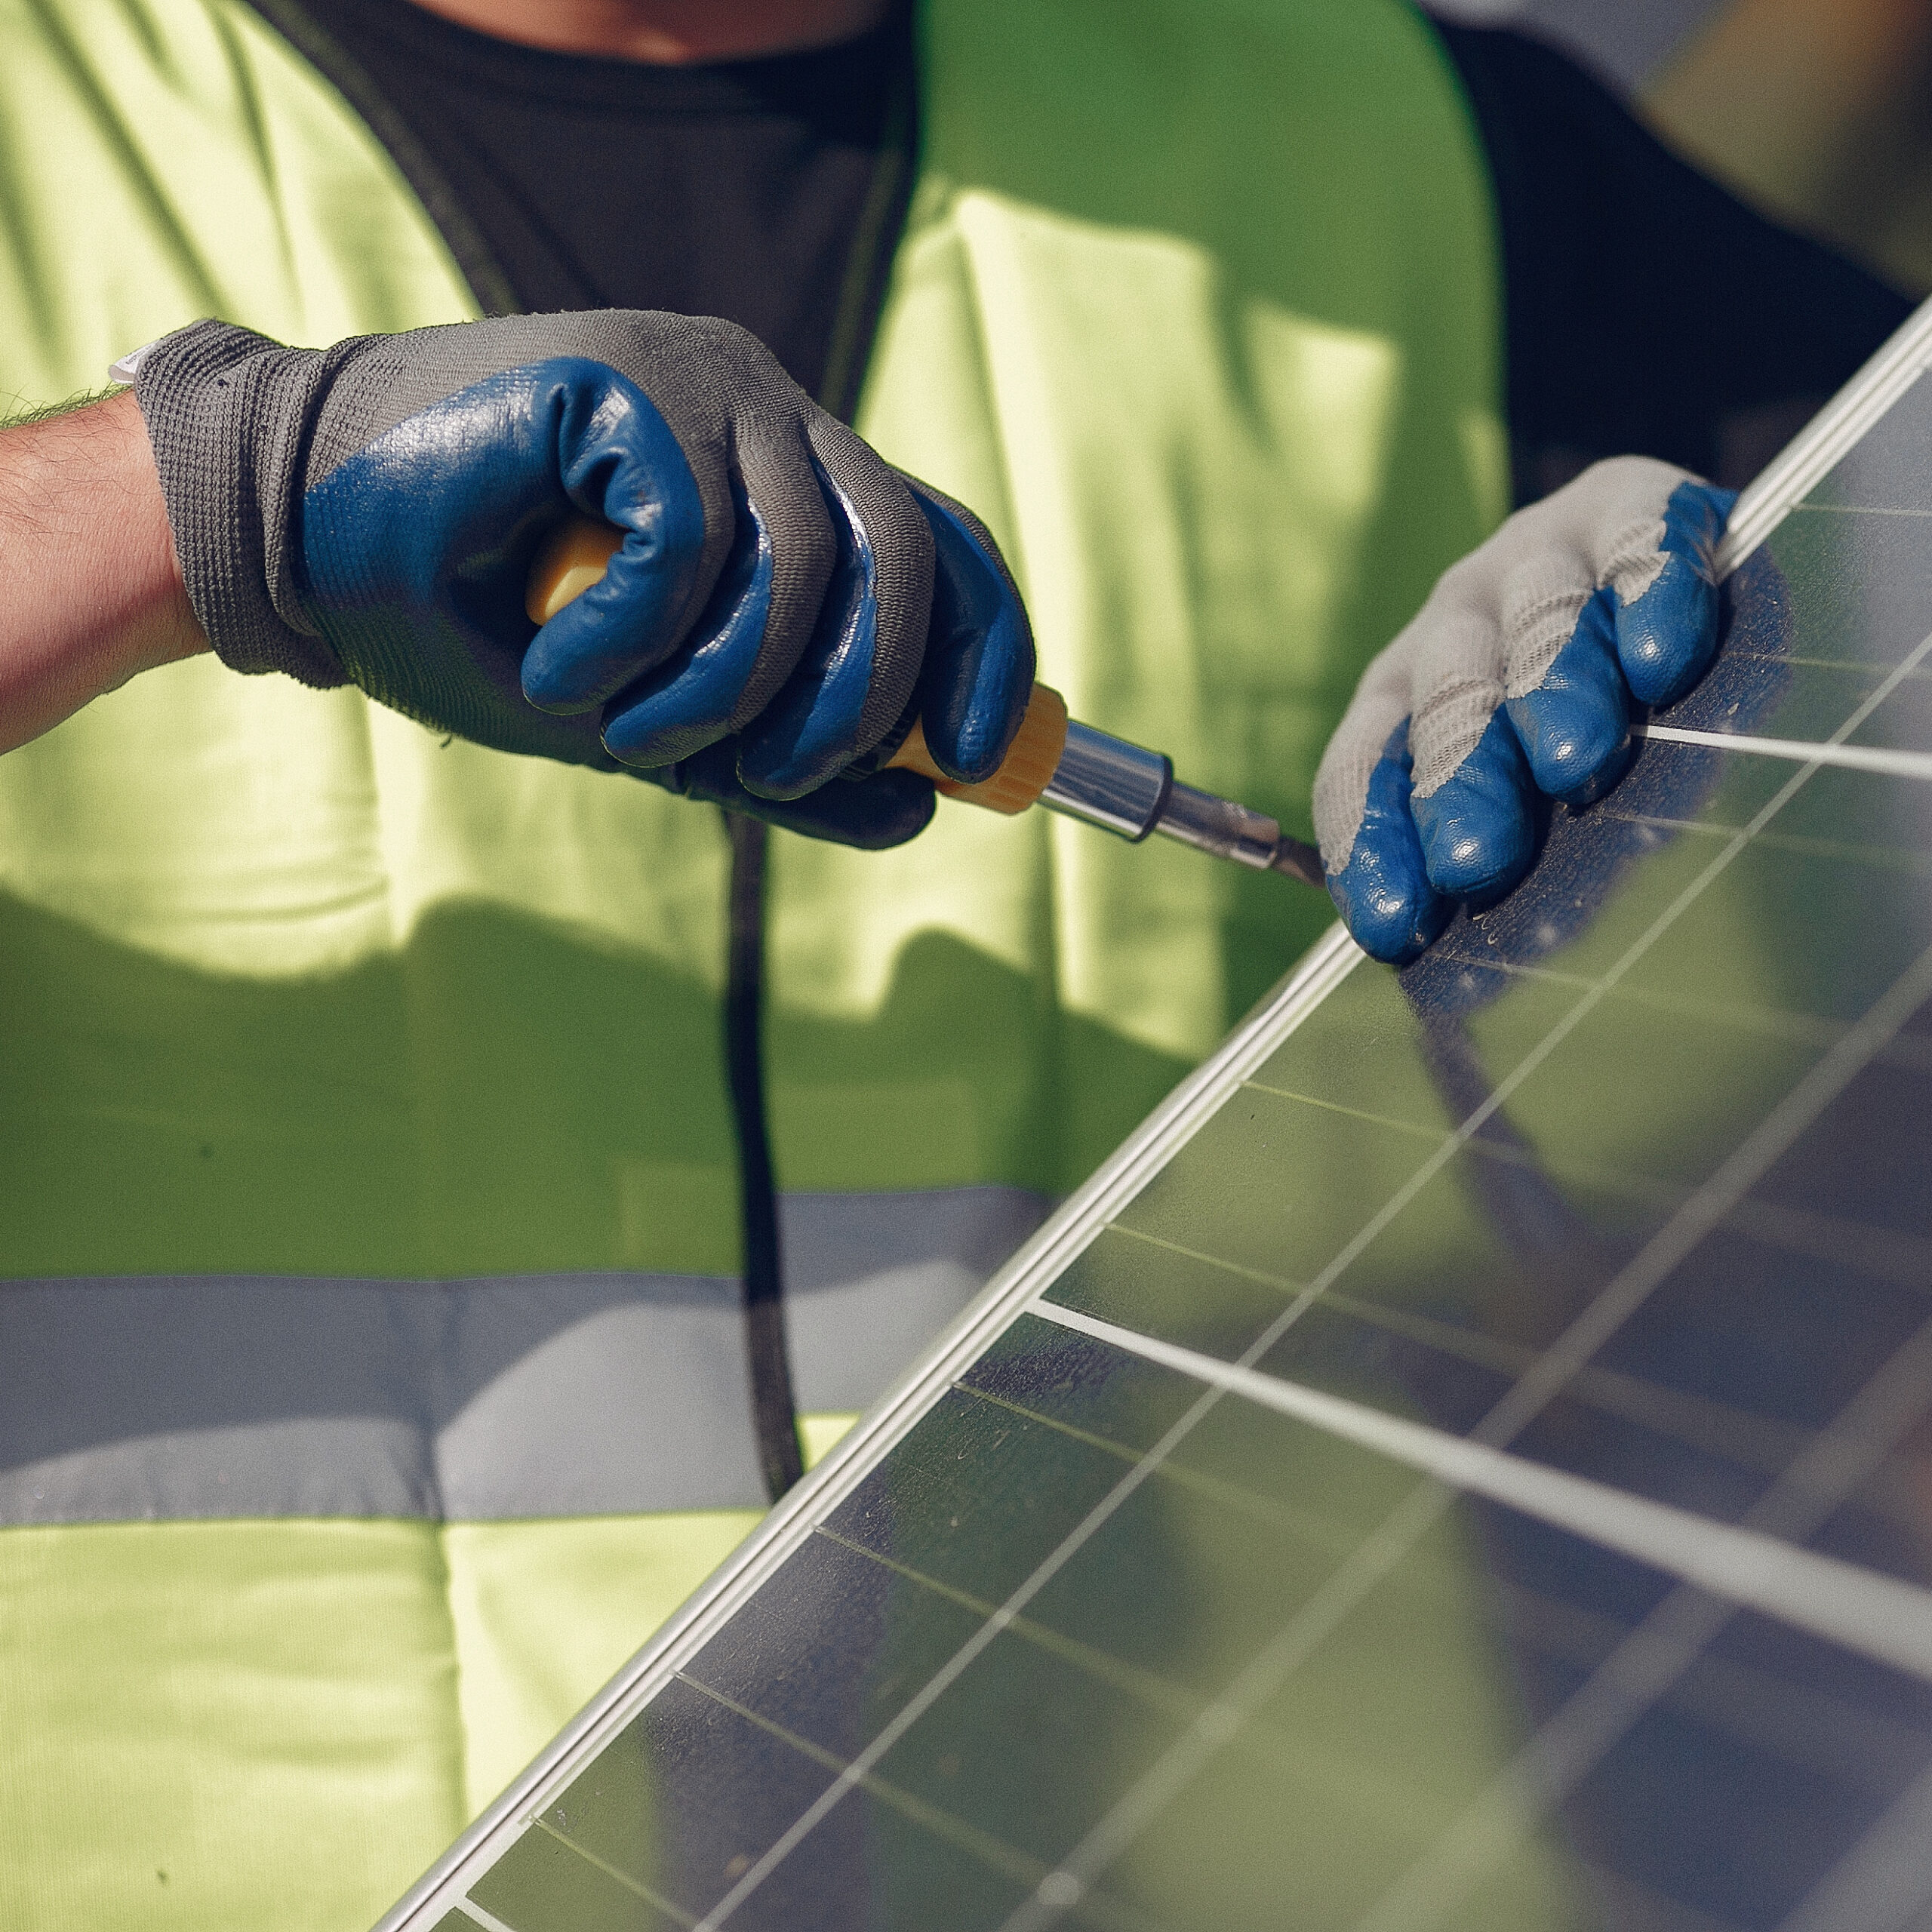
(810, 731)
(616, 458)
(1477, 839)
(978, 673)
(1574, 728)
(1383, 892)
(1665, 638)
(686, 704)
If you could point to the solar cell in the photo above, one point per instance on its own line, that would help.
(1464, 1463)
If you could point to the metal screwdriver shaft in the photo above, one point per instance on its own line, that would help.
(1055, 761)
(1126, 789)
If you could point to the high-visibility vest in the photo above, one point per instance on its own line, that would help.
(370, 1374)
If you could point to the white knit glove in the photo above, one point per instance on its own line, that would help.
(1517, 677)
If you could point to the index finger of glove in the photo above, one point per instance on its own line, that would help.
(1371, 853)
(978, 673)
(1382, 888)
(758, 624)
(689, 702)
(617, 459)
(857, 674)
(641, 611)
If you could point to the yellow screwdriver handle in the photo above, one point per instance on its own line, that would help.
(578, 554)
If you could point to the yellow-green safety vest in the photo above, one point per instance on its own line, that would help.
(369, 1376)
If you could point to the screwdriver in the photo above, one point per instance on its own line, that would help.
(1054, 761)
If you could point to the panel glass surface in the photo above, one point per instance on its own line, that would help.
(1466, 1465)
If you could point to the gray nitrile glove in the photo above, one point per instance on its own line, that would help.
(783, 604)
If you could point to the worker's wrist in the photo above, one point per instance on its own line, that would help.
(91, 592)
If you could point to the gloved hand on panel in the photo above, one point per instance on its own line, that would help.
(1518, 678)
(783, 604)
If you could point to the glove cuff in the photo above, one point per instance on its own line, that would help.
(228, 413)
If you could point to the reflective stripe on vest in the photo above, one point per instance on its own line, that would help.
(163, 1398)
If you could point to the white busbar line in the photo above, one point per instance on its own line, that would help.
(488, 1921)
(1853, 757)
(1877, 1616)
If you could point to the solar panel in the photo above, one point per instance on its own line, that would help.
(1465, 1463)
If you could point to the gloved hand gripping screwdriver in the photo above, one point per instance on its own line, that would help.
(1068, 767)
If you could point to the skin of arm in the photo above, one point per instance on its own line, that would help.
(90, 590)
(667, 33)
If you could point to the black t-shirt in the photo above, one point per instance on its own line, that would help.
(742, 190)
(1647, 310)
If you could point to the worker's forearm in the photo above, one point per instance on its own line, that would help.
(90, 590)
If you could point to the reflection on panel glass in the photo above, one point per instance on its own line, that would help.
(1478, 1477)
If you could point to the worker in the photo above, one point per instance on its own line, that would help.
(387, 1133)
